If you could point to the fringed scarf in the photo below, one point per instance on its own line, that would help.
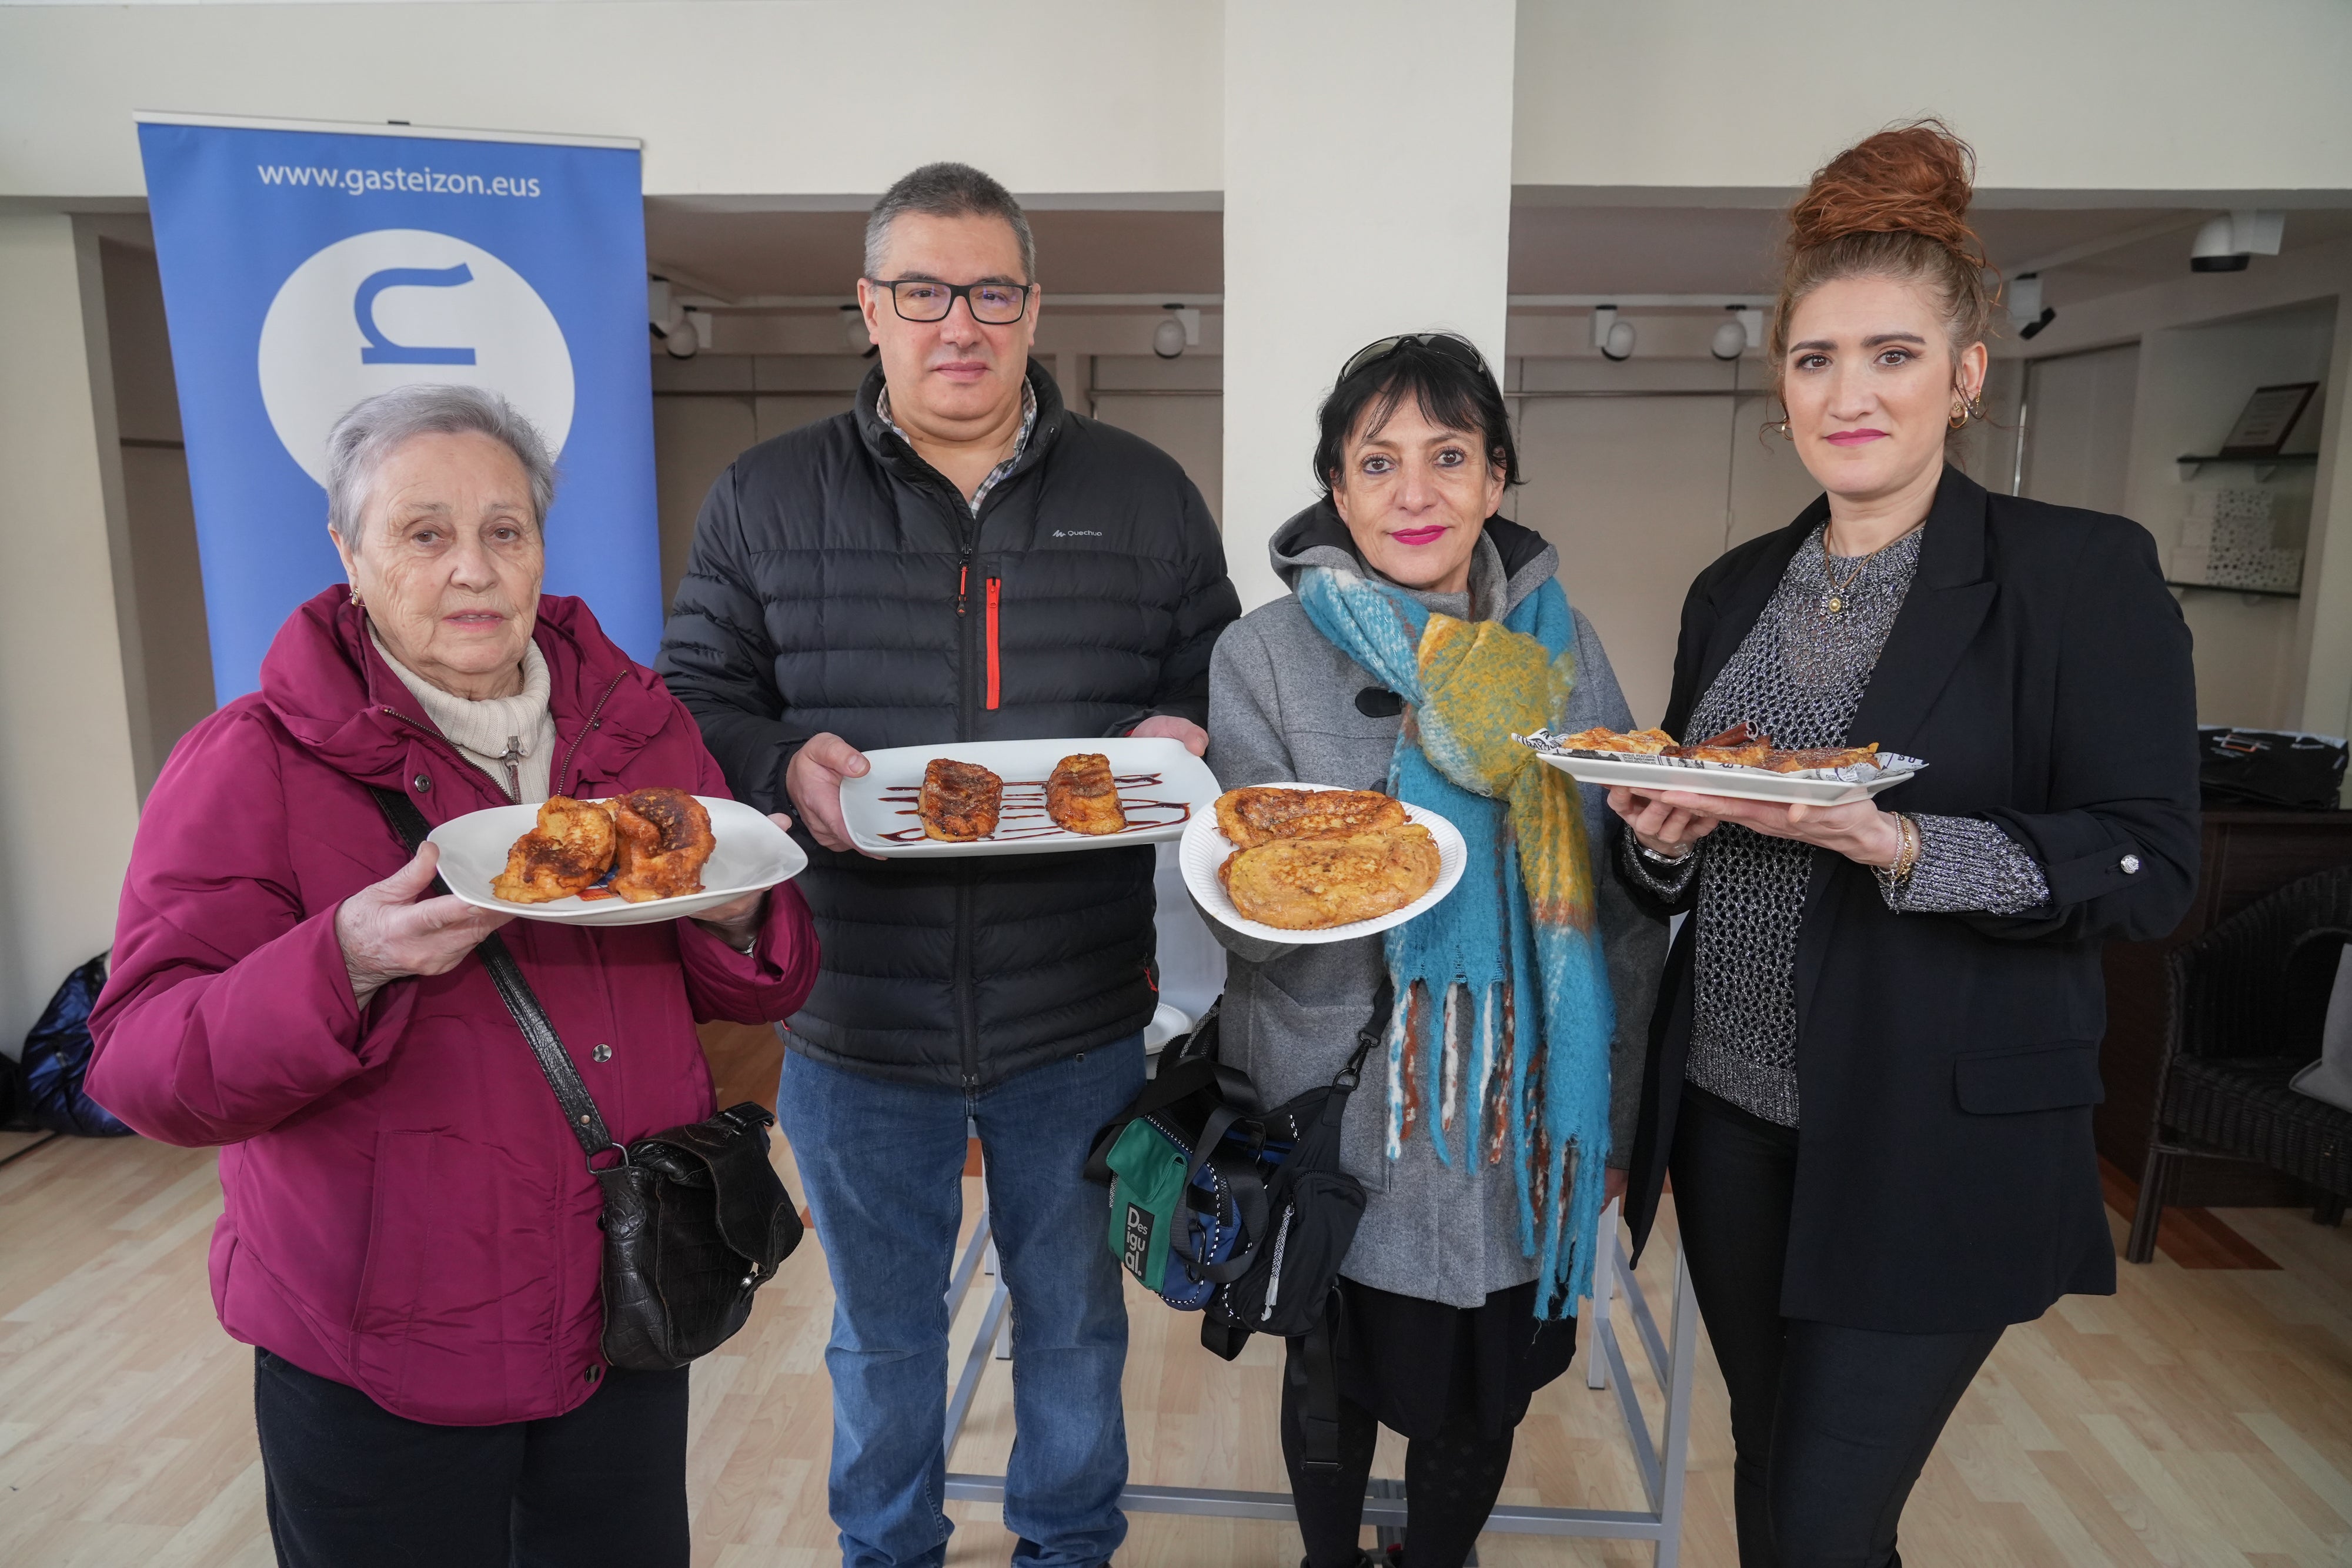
(1516, 937)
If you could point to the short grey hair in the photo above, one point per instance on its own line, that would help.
(948, 191)
(374, 430)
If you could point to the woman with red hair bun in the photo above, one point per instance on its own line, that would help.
(1876, 1052)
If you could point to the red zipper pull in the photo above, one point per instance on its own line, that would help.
(963, 586)
(994, 584)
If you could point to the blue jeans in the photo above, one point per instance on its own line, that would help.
(882, 1164)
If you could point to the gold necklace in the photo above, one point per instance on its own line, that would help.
(1835, 600)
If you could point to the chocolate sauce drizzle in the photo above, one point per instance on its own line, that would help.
(1021, 814)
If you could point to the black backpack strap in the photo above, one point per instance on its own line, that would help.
(1176, 1081)
(1251, 1210)
(1375, 1030)
(1221, 1338)
(1315, 1363)
(580, 1112)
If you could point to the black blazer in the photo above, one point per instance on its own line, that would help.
(1947, 1065)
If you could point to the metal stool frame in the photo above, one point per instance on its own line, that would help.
(1662, 1462)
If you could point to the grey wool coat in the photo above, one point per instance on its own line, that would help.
(1282, 706)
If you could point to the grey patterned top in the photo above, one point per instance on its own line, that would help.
(1798, 676)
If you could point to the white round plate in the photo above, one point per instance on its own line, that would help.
(751, 852)
(1204, 849)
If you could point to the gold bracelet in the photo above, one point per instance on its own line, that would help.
(1900, 873)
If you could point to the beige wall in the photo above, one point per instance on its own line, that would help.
(1178, 405)
(755, 96)
(1344, 225)
(66, 770)
(2108, 96)
(807, 97)
(2078, 453)
(159, 518)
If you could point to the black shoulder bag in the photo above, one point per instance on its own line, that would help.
(695, 1219)
(1266, 1187)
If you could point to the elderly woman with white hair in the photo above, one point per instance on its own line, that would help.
(410, 1236)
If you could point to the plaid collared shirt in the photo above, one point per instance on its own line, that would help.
(1020, 441)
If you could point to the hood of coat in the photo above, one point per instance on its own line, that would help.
(1521, 558)
(334, 692)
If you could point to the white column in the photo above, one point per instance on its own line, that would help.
(64, 736)
(1367, 191)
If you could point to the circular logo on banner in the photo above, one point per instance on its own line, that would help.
(393, 307)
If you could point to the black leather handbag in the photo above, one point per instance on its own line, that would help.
(695, 1219)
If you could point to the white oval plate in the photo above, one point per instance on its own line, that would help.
(1161, 787)
(1204, 849)
(751, 852)
(1701, 779)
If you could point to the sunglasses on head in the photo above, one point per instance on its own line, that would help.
(1451, 345)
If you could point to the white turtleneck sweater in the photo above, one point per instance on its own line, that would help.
(512, 739)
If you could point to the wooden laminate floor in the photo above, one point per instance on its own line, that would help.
(2203, 1418)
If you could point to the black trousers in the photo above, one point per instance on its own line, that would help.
(351, 1485)
(1452, 1478)
(1832, 1425)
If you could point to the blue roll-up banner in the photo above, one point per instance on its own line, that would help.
(308, 268)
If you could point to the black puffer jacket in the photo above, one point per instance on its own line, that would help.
(839, 583)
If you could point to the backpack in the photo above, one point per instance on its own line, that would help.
(1240, 1213)
(57, 1058)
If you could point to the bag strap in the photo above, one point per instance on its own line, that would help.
(1251, 1212)
(1375, 1030)
(1175, 1082)
(1251, 1193)
(580, 1112)
(1317, 1366)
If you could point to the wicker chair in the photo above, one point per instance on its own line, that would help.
(2248, 1001)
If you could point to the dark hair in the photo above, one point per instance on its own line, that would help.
(1451, 394)
(948, 191)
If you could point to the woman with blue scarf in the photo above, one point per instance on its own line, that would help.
(1422, 631)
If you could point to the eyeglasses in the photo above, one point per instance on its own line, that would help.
(1451, 345)
(927, 300)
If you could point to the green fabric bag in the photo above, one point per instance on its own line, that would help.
(1146, 1196)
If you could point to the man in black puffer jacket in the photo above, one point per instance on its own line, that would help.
(959, 558)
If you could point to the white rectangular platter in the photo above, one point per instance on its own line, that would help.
(1205, 847)
(749, 852)
(1654, 774)
(1161, 787)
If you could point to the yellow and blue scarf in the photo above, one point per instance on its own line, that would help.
(1517, 938)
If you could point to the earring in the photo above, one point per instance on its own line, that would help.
(1963, 411)
(1783, 426)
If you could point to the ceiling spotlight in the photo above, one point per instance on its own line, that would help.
(1730, 342)
(683, 336)
(1177, 330)
(2026, 311)
(1611, 335)
(2213, 252)
(852, 326)
(2226, 244)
